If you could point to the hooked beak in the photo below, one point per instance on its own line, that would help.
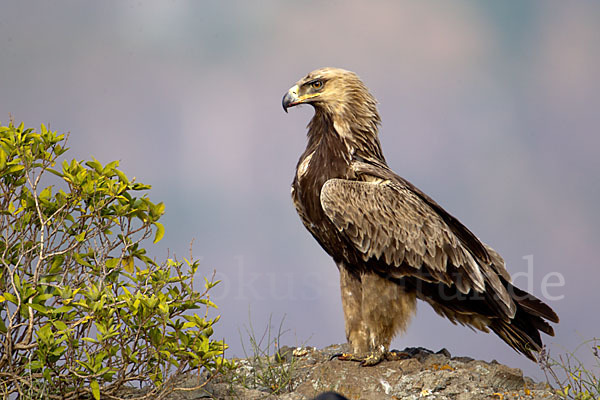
(290, 99)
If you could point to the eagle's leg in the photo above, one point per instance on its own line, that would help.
(375, 310)
(387, 309)
(356, 330)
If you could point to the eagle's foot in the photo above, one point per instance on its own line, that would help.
(367, 359)
(372, 358)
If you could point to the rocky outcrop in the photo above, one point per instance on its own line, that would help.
(307, 372)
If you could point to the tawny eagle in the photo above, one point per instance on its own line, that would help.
(391, 242)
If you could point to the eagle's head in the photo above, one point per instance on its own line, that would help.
(344, 109)
(334, 91)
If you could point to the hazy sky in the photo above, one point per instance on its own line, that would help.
(492, 108)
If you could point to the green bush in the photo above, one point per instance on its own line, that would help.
(84, 312)
(571, 377)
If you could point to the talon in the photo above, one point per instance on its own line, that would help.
(347, 357)
(371, 360)
(341, 356)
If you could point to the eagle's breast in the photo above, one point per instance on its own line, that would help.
(303, 167)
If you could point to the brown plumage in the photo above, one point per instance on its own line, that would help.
(391, 242)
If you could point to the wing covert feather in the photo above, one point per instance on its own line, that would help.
(388, 222)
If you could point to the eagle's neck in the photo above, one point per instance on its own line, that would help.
(345, 135)
(322, 140)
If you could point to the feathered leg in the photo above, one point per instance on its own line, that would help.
(375, 310)
(387, 310)
(356, 330)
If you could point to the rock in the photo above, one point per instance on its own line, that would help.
(444, 352)
(285, 354)
(306, 373)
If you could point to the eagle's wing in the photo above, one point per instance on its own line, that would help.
(396, 230)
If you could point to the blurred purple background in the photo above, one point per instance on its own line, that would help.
(492, 108)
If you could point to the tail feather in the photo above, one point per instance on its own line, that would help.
(522, 332)
(517, 338)
(532, 304)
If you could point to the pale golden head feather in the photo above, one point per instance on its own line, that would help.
(341, 97)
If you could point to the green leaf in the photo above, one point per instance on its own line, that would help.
(109, 167)
(39, 308)
(160, 232)
(156, 210)
(59, 351)
(122, 177)
(81, 261)
(95, 164)
(13, 169)
(55, 172)
(164, 308)
(128, 264)
(112, 263)
(45, 332)
(43, 297)
(63, 309)
(95, 386)
(61, 326)
(34, 365)
(46, 193)
(190, 324)
(3, 158)
(10, 297)
(57, 262)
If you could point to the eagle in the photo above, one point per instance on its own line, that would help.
(391, 242)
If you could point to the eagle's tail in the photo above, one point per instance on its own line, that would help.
(522, 332)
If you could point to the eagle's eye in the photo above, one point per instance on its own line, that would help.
(318, 84)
